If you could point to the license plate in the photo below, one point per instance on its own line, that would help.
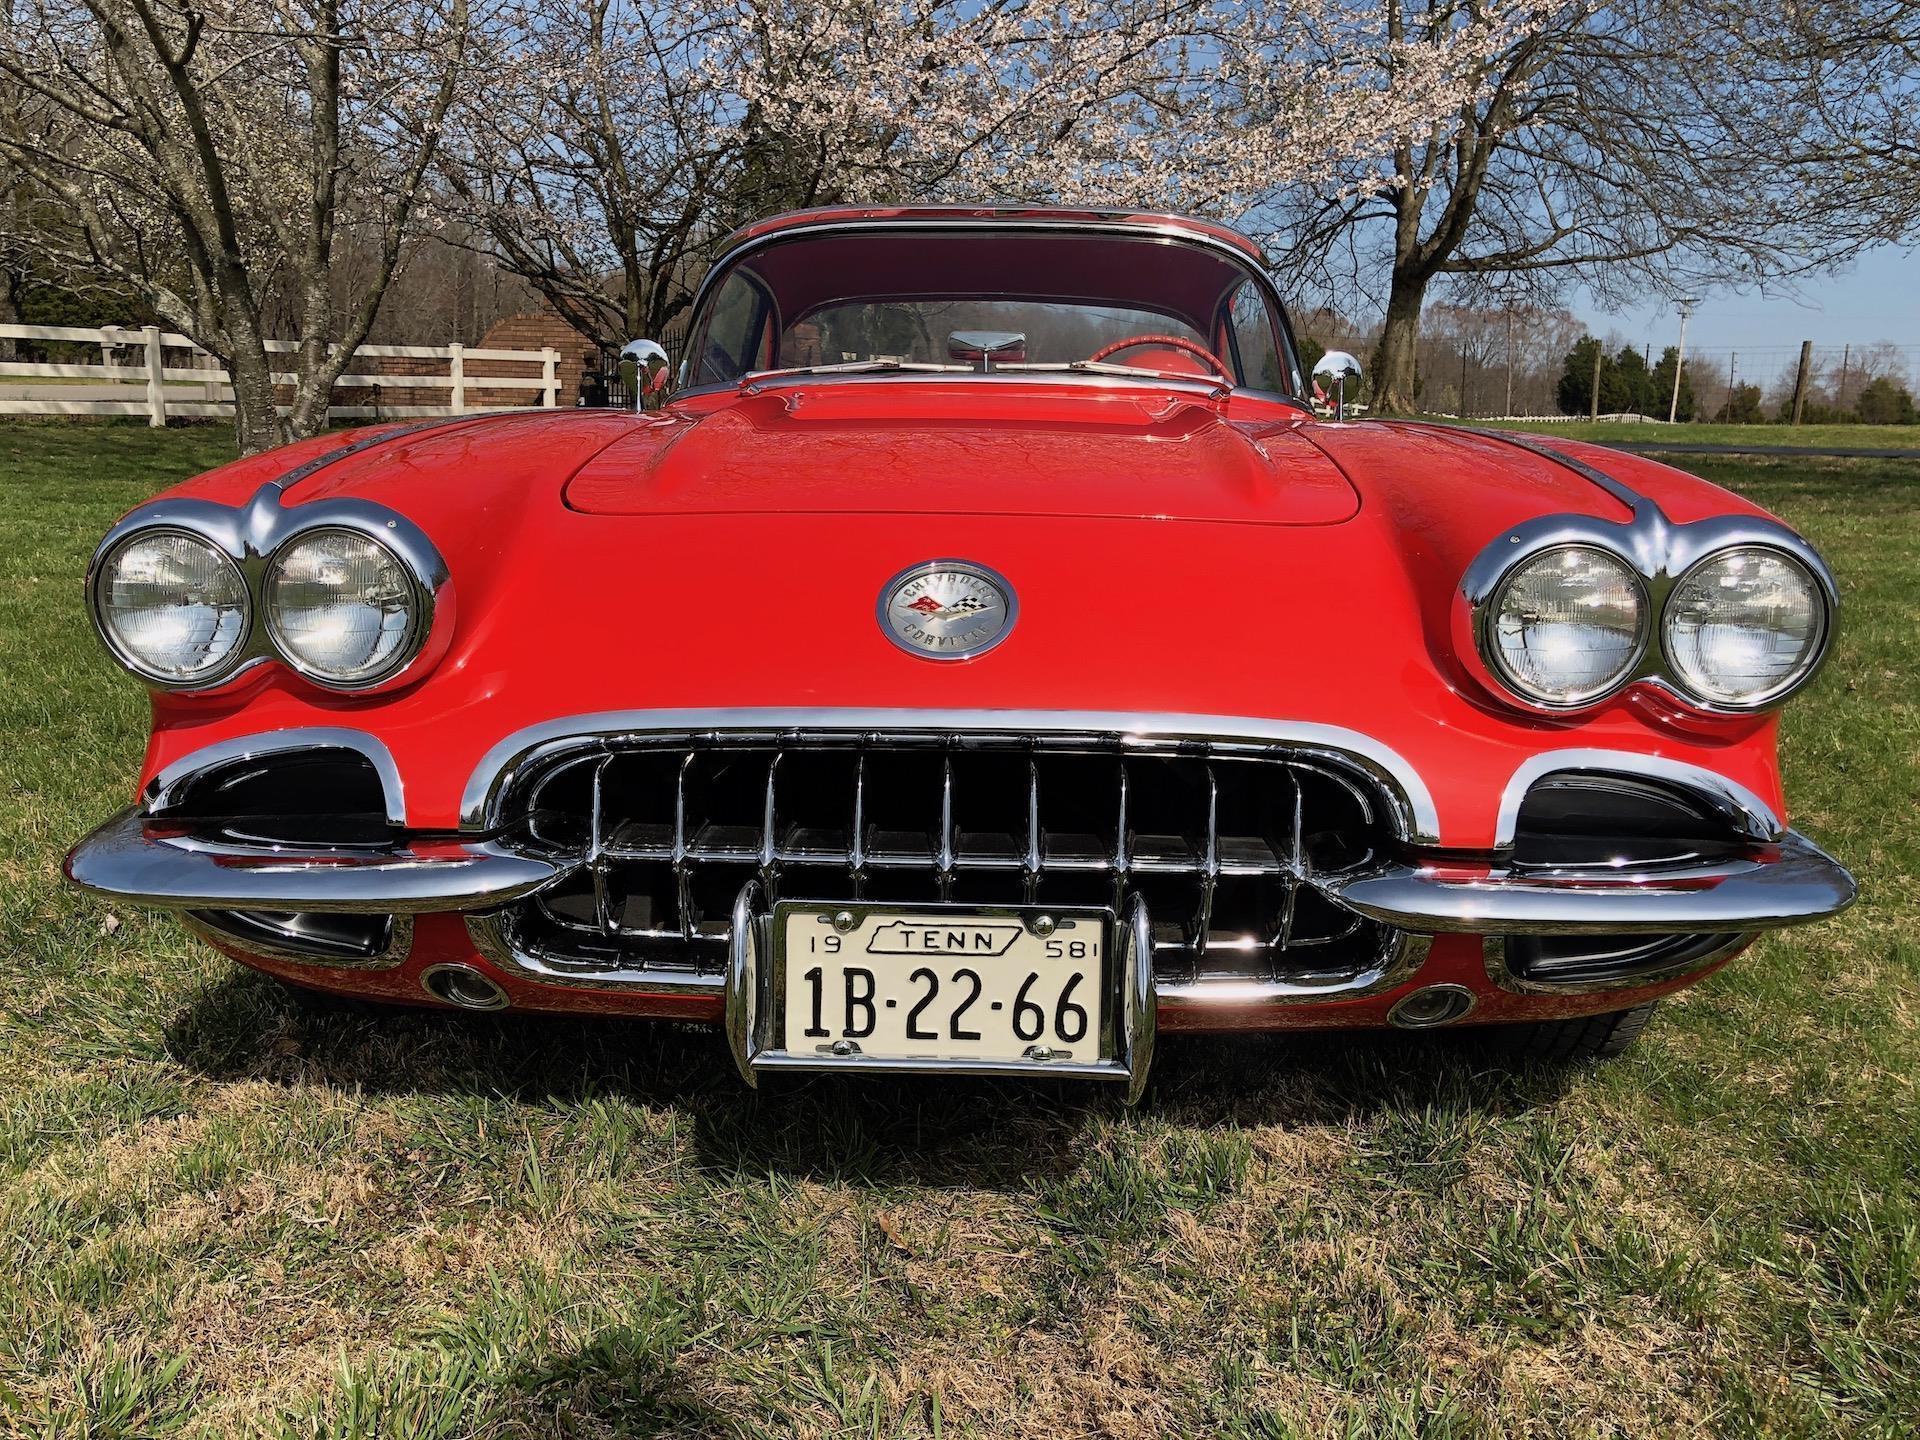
(930, 983)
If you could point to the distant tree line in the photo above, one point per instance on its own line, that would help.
(1628, 385)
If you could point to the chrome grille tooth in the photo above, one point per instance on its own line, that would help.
(769, 872)
(1121, 863)
(1296, 871)
(682, 871)
(597, 850)
(857, 856)
(680, 807)
(946, 825)
(1209, 867)
(1031, 888)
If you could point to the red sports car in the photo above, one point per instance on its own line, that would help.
(977, 658)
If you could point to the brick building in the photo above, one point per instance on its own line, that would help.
(532, 331)
(535, 330)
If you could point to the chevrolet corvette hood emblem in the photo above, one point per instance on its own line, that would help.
(947, 609)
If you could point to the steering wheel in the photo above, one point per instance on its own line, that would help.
(1170, 342)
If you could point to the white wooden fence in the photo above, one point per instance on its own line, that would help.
(200, 388)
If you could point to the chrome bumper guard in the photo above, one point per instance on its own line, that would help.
(144, 862)
(1788, 881)
(753, 1034)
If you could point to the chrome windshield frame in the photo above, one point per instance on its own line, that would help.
(1161, 232)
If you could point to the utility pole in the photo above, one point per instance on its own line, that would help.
(1846, 363)
(1599, 354)
(1679, 359)
(1733, 377)
(1800, 380)
(1463, 382)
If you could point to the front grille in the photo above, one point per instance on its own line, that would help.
(1224, 843)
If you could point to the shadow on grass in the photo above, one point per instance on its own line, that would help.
(619, 1383)
(929, 1131)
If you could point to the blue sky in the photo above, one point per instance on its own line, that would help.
(1875, 299)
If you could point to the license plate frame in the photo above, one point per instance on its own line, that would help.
(759, 1033)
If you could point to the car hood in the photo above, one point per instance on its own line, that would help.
(972, 449)
(745, 570)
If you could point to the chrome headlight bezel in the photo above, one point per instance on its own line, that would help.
(1662, 554)
(419, 611)
(1491, 613)
(252, 536)
(1803, 671)
(100, 574)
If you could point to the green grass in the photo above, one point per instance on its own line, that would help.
(221, 1216)
(1825, 437)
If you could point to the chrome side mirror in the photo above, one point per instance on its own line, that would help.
(652, 377)
(1337, 366)
(983, 347)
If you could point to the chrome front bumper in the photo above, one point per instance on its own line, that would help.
(145, 862)
(1787, 881)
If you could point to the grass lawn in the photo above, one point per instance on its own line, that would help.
(222, 1216)
(1825, 437)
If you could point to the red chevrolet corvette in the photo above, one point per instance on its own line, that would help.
(977, 657)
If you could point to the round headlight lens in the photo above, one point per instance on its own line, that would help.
(1745, 626)
(172, 606)
(1567, 625)
(341, 607)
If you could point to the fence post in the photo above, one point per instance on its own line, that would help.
(550, 373)
(156, 380)
(457, 374)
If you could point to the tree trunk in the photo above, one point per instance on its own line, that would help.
(1394, 362)
(256, 423)
(9, 310)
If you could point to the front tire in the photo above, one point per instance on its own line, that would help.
(1591, 1037)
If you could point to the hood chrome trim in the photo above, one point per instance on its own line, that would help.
(1617, 488)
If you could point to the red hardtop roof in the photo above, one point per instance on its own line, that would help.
(924, 214)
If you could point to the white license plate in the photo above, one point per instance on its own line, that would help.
(932, 983)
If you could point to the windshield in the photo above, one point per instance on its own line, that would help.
(1002, 300)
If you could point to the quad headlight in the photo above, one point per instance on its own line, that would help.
(172, 607)
(342, 608)
(1730, 626)
(1566, 626)
(189, 594)
(1744, 626)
